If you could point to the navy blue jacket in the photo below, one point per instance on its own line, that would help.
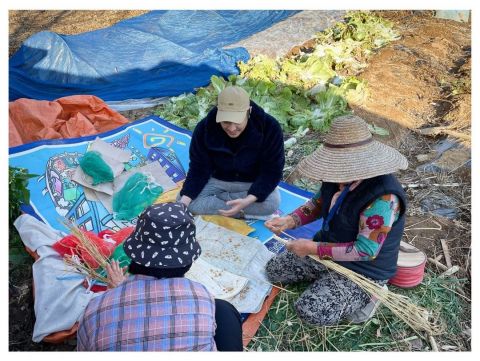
(256, 156)
(344, 225)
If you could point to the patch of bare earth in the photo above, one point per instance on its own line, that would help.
(407, 78)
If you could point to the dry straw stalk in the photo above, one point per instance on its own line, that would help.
(85, 245)
(415, 316)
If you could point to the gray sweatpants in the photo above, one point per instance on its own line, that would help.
(216, 193)
(329, 299)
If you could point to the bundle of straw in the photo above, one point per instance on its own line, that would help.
(414, 316)
(85, 245)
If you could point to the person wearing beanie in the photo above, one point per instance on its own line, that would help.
(362, 205)
(236, 160)
(156, 308)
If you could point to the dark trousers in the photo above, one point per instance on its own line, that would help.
(228, 335)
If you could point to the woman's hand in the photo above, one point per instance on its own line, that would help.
(280, 224)
(302, 247)
(116, 275)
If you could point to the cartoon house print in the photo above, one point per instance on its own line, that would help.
(90, 217)
(137, 159)
(169, 161)
(84, 213)
(122, 142)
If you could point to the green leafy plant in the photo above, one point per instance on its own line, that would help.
(306, 90)
(18, 192)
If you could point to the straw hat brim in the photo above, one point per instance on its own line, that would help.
(342, 165)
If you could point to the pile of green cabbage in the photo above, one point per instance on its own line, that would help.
(307, 90)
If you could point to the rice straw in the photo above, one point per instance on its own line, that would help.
(85, 245)
(414, 316)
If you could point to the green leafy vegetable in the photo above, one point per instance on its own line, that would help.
(306, 90)
(378, 130)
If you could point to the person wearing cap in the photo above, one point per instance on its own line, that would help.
(156, 308)
(236, 160)
(363, 210)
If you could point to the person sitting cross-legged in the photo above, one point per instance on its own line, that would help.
(236, 160)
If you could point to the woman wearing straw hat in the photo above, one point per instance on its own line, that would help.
(363, 210)
(156, 308)
(236, 160)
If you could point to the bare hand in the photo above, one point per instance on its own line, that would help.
(116, 275)
(236, 206)
(302, 247)
(186, 200)
(280, 224)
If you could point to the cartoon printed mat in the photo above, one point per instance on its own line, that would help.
(54, 196)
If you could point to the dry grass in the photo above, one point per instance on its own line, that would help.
(453, 184)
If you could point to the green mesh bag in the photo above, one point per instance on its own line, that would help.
(120, 256)
(93, 164)
(136, 195)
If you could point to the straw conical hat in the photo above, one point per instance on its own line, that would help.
(350, 153)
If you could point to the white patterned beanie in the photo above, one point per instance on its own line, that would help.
(164, 237)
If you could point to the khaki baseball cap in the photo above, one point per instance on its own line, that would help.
(232, 105)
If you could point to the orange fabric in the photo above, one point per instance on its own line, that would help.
(62, 336)
(252, 323)
(32, 253)
(71, 245)
(118, 236)
(69, 117)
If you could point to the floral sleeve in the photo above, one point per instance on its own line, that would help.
(375, 222)
(308, 212)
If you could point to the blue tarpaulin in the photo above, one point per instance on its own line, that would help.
(161, 53)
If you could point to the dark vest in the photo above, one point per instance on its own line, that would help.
(344, 225)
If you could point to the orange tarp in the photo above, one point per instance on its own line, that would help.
(69, 117)
(254, 320)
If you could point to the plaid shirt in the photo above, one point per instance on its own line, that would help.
(149, 314)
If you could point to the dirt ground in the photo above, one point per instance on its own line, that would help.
(410, 79)
(419, 82)
(419, 89)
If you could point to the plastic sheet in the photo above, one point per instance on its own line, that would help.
(161, 53)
